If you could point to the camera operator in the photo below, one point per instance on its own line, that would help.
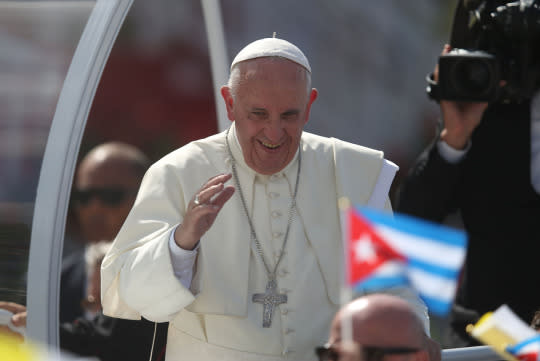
(485, 159)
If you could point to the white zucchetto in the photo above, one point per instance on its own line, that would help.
(272, 47)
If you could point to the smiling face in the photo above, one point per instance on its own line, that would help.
(270, 103)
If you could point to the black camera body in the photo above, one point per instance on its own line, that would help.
(469, 76)
(501, 60)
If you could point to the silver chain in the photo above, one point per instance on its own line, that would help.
(271, 274)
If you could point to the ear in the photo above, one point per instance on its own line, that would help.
(312, 96)
(229, 101)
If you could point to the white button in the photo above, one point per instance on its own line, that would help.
(273, 195)
(284, 311)
(276, 234)
(284, 290)
(288, 330)
(283, 272)
(274, 177)
(276, 214)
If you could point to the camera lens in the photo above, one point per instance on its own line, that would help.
(472, 76)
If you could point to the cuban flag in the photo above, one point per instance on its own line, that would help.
(527, 350)
(386, 251)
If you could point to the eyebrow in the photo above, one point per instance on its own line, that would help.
(291, 112)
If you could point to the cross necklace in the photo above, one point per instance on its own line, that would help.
(270, 298)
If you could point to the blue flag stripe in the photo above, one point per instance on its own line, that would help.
(443, 272)
(376, 283)
(515, 348)
(436, 306)
(419, 227)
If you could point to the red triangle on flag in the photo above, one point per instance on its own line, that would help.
(366, 249)
(528, 356)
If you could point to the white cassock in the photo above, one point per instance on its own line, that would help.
(215, 319)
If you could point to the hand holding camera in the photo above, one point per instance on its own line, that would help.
(460, 118)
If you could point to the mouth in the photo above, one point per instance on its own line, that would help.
(270, 146)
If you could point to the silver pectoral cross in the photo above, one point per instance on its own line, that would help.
(270, 298)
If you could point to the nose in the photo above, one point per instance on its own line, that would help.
(274, 130)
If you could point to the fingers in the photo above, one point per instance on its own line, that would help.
(210, 189)
(221, 178)
(19, 320)
(446, 50)
(223, 196)
(12, 307)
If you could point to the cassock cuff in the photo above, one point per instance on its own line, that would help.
(182, 261)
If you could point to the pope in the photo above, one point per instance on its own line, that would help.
(235, 239)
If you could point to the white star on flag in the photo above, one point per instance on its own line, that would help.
(364, 250)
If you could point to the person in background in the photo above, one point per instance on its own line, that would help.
(378, 327)
(484, 164)
(104, 189)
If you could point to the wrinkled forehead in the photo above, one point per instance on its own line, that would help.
(272, 67)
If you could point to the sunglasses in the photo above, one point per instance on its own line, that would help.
(368, 353)
(111, 196)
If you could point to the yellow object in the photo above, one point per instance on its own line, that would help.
(500, 329)
(13, 349)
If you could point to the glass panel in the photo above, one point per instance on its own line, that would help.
(37, 42)
(157, 85)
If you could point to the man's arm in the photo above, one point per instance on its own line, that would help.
(430, 189)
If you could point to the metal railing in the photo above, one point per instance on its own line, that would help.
(477, 353)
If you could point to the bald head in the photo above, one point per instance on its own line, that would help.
(112, 154)
(106, 184)
(383, 320)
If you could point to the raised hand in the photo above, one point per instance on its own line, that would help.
(202, 210)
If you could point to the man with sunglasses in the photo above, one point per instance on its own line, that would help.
(104, 189)
(378, 327)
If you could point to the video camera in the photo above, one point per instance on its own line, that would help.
(502, 59)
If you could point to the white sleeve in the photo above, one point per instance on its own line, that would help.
(450, 154)
(380, 192)
(535, 142)
(182, 261)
